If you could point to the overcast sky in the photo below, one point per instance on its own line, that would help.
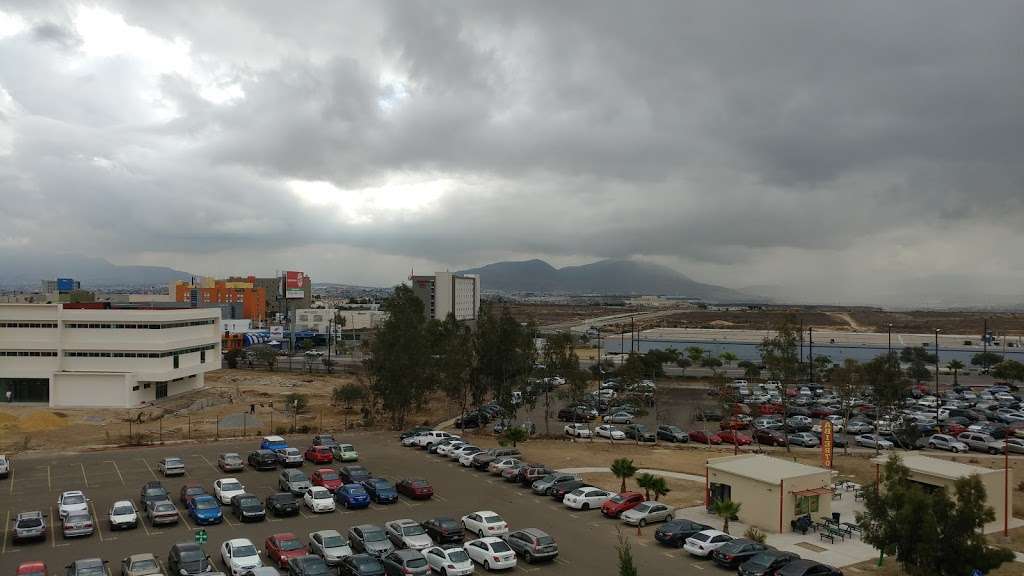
(838, 149)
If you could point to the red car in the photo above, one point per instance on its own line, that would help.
(616, 505)
(32, 568)
(415, 488)
(733, 424)
(954, 429)
(766, 409)
(702, 438)
(770, 437)
(327, 478)
(319, 455)
(820, 412)
(734, 437)
(281, 548)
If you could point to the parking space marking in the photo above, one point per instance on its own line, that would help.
(7, 522)
(228, 520)
(118, 470)
(563, 562)
(144, 527)
(148, 468)
(96, 518)
(210, 464)
(49, 480)
(697, 566)
(185, 520)
(86, 478)
(12, 481)
(667, 555)
(53, 529)
(440, 498)
(642, 543)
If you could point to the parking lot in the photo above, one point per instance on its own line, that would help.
(586, 540)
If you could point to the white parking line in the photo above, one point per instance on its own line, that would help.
(208, 462)
(697, 566)
(12, 481)
(49, 479)
(7, 522)
(53, 529)
(148, 468)
(96, 518)
(86, 478)
(118, 470)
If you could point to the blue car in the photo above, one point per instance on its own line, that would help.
(204, 509)
(352, 496)
(380, 490)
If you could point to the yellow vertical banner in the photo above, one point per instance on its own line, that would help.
(826, 443)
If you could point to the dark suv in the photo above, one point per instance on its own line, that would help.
(444, 530)
(188, 559)
(263, 460)
(283, 504)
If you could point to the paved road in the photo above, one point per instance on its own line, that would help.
(587, 541)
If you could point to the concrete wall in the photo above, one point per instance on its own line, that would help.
(68, 389)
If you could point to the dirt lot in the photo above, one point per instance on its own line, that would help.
(891, 568)
(919, 322)
(544, 314)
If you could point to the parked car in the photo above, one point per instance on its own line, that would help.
(240, 556)
(532, 473)
(702, 437)
(981, 442)
(414, 431)
(873, 441)
(324, 439)
(87, 567)
(344, 453)
(329, 545)
(770, 437)
(361, 565)
(619, 503)
(150, 491)
(491, 553)
(559, 492)
(451, 561)
(807, 568)
(282, 547)
(294, 481)
(672, 433)
(29, 526)
(443, 530)
(408, 533)
(290, 457)
(204, 509)
(577, 430)
(354, 474)
(190, 490)
(319, 455)
(140, 565)
(484, 523)
(618, 418)
(946, 442)
(675, 532)
(319, 499)
(405, 563)
(703, 543)
(859, 427)
(737, 551)
(230, 462)
(805, 439)
(415, 488)
(370, 539)
(122, 516)
(481, 460)
(308, 565)
(532, 544)
(544, 485)
(646, 513)
(227, 488)
(171, 466)
(639, 433)
(247, 508)
(498, 465)
(585, 498)
(162, 512)
(1015, 445)
(766, 563)
(352, 496)
(273, 443)
(734, 437)
(72, 501)
(610, 432)
(263, 460)
(327, 478)
(31, 568)
(282, 504)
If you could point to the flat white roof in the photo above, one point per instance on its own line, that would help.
(763, 468)
(937, 466)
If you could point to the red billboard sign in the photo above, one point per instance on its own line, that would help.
(294, 284)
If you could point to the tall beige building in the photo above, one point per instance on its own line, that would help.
(445, 293)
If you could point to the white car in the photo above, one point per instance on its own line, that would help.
(227, 488)
(447, 448)
(240, 556)
(609, 431)
(72, 501)
(451, 561)
(485, 523)
(410, 440)
(705, 542)
(329, 545)
(466, 459)
(873, 441)
(491, 553)
(426, 439)
(586, 498)
(457, 453)
(578, 430)
(319, 499)
(123, 515)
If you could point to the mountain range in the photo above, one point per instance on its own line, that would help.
(24, 270)
(620, 277)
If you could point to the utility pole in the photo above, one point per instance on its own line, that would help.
(937, 403)
(632, 333)
(810, 354)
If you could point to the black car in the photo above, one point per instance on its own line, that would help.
(248, 508)
(353, 474)
(573, 415)
(152, 491)
(639, 433)
(263, 459)
(769, 437)
(444, 530)
(188, 559)
(308, 565)
(766, 563)
(471, 420)
(808, 568)
(710, 414)
(283, 504)
(414, 431)
(672, 434)
(675, 532)
(559, 491)
(736, 552)
(361, 565)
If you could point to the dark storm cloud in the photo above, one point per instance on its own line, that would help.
(707, 132)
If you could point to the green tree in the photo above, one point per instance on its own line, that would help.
(955, 366)
(683, 362)
(645, 482)
(623, 468)
(848, 383)
(947, 539)
(232, 357)
(711, 362)
(822, 364)
(918, 371)
(1011, 370)
(885, 380)
(780, 356)
(750, 369)
(659, 486)
(728, 358)
(726, 510)
(515, 434)
(909, 355)
(695, 354)
(296, 402)
(986, 359)
(265, 354)
(560, 359)
(348, 394)
(626, 565)
(454, 359)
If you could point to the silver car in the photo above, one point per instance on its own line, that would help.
(544, 485)
(230, 462)
(619, 418)
(946, 442)
(294, 481)
(805, 439)
(329, 545)
(408, 533)
(289, 456)
(647, 513)
(859, 427)
(171, 466)
(29, 526)
(980, 442)
(5, 466)
(370, 539)
(78, 524)
(873, 441)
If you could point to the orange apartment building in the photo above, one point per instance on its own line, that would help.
(252, 299)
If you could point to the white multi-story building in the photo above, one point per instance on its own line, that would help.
(445, 293)
(104, 357)
(323, 319)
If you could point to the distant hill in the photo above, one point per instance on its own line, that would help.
(626, 277)
(24, 270)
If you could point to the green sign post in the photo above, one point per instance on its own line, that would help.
(201, 536)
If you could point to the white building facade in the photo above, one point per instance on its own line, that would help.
(445, 293)
(320, 319)
(104, 357)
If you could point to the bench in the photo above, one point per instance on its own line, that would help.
(853, 528)
(826, 535)
(836, 495)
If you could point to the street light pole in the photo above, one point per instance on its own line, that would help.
(937, 330)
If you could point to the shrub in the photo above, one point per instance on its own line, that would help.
(755, 534)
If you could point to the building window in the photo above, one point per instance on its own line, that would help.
(806, 504)
(147, 385)
(176, 360)
(135, 388)
(202, 356)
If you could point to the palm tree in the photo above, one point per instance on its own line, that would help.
(956, 366)
(695, 353)
(726, 509)
(728, 358)
(660, 487)
(683, 362)
(645, 481)
(623, 468)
